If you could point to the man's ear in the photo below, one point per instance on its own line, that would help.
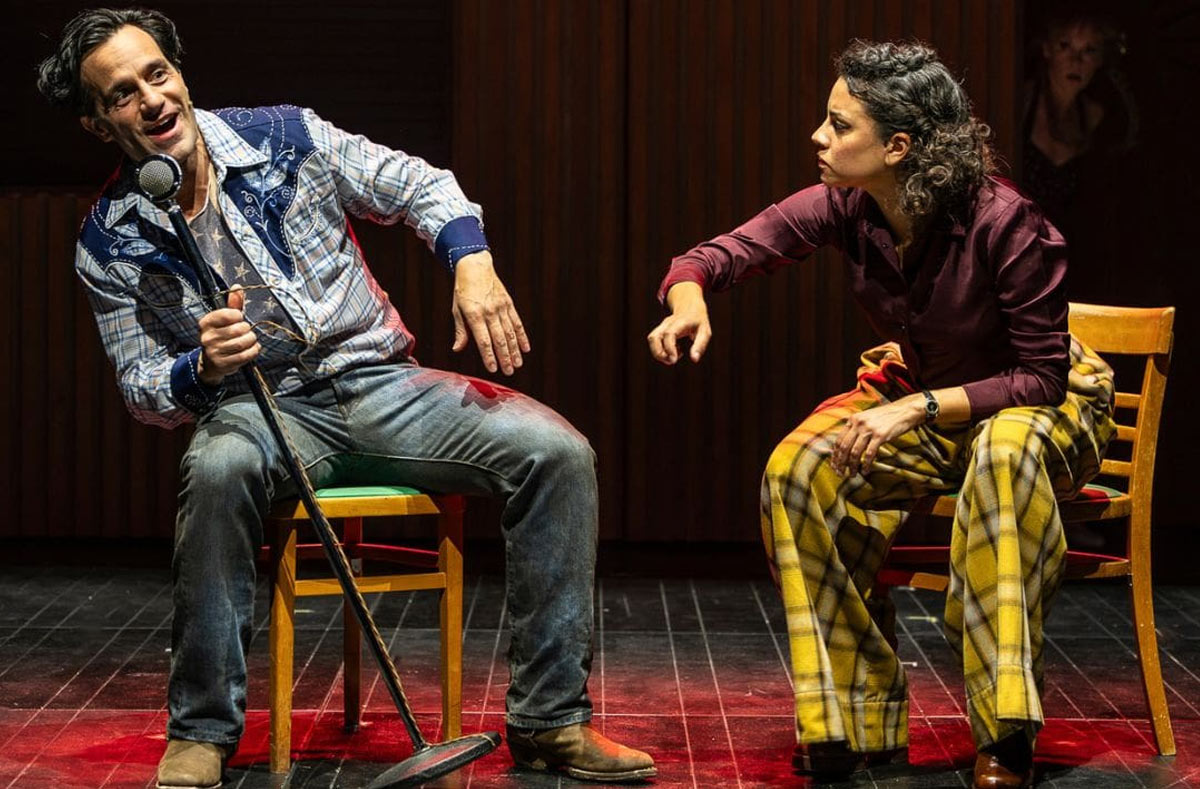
(897, 148)
(97, 128)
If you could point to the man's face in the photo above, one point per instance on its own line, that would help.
(140, 100)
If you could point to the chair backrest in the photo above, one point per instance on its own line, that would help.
(1135, 331)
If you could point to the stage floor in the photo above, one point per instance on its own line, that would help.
(692, 671)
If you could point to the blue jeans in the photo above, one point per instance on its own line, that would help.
(387, 424)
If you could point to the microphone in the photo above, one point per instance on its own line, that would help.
(159, 177)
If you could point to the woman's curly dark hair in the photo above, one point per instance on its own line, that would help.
(905, 88)
(59, 79)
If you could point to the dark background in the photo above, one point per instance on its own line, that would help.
(602, 137)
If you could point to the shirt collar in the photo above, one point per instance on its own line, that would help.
(953, 227)
(226, 148)
(872, 218)
(123, 197)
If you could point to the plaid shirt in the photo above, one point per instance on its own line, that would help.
(286, 180)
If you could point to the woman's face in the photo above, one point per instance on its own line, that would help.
(1073, 54)
(849, 150)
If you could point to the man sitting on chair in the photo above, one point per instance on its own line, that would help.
(266, 191)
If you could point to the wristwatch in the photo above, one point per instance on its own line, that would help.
(932, 409)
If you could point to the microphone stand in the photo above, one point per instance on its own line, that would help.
(429, 760)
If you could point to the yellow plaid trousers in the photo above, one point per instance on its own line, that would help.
(826, 538)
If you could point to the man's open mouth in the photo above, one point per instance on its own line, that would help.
(162, 127)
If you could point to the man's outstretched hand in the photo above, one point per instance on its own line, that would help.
(484, 310)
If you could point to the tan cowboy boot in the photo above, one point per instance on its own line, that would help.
(191, 765)
(579, 751)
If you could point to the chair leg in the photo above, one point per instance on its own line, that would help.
(281, 643)
(351, 639)
(1147, 639)
(450, 535)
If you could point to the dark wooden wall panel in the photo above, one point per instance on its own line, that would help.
(539, 141)
(75, 460)
(62, 221)
(10, 385)
(30, 330)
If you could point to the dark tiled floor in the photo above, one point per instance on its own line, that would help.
(694, 671)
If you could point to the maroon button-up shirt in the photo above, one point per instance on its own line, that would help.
(981, 306)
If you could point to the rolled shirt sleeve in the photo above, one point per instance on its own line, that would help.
(186, 387)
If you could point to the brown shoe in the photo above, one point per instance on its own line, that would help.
(579, 751)
(830, 761)
(191, 765)
(991, 773)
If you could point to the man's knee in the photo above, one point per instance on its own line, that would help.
(223, 465)
(225, 491)
(554, 443)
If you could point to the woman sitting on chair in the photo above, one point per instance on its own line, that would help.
(980, 388)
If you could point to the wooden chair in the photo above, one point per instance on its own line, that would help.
(1108, 331)
(440, 569)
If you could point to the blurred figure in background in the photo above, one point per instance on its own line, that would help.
(1078, 106)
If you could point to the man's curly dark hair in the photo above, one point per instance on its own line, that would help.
(905, 88)
(59, 79)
